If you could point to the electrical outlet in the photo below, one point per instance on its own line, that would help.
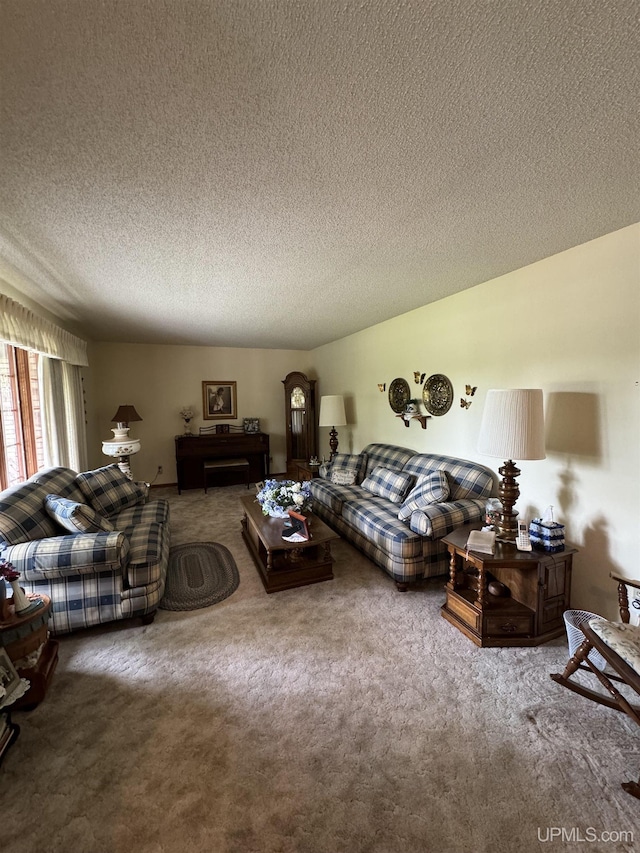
(159, 469)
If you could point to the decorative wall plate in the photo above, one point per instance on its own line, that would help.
(399, 395)
(437, 394)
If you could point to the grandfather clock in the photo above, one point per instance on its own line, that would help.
(301, 420)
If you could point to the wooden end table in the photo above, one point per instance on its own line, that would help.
(539, 586)
(23, 635)
(284, 565)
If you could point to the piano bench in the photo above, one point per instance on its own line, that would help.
(210, 466)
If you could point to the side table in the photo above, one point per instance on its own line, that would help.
(306, 471)
(538, 583)
(26, 637)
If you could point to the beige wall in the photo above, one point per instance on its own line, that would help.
(160, 380)
(568, 324)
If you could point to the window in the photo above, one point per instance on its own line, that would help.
(20, 421)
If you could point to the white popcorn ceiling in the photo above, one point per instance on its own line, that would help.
(270, 173)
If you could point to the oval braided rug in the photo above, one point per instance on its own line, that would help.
(199, 574)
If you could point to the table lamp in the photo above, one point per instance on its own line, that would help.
(332, 414)
(512, 428)
(121, 445)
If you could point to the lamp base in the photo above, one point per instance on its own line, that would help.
(333, 443)
(508, 492)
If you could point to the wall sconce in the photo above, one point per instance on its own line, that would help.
(382, 386)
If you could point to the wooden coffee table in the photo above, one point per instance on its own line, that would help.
(284, 565)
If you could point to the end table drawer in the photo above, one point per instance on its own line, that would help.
(464, 611)
(519, 626)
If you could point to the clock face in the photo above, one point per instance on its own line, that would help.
(399, 395)
(437, 394)
(298, 399)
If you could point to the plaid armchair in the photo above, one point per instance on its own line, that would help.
(93, 542)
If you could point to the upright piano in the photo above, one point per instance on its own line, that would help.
(192, 450)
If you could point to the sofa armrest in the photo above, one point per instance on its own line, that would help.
(439, 519)
(76, 554)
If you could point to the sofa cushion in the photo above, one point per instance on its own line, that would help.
(332, 495)
(432, 489)
(386, 456)
(76, 517)
(466, 479)
(436, 520)
(347, 469)
(108, 490)
(375, 519)
(392, 485)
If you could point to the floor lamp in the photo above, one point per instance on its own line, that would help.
(121, 445)
(512, 428)
(332, 415)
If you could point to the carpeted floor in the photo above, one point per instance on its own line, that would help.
(339, 717)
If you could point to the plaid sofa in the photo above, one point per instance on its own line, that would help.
(93, 542)
(362, 495)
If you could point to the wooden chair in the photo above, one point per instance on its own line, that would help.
(618, 643)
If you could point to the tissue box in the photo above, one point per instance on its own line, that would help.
(548, 535)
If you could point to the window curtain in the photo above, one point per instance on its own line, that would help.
(62, 355)
(64, 432)
(20, 327)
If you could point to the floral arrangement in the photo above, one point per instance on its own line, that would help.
(8, 572)
(186, 413)
(277, 496)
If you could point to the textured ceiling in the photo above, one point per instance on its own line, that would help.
(269, 173)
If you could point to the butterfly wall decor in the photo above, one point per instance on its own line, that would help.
(470, 391)
(382, 386)
(418, 377)
(464, 404)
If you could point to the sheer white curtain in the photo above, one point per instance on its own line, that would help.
(63, 418)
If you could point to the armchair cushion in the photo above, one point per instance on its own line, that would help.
(108, 490)
(431, 489)
(23, 517)
(76, 517)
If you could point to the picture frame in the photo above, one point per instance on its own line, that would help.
(219, 400)
(9, 678)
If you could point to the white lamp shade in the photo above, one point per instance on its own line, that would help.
(332, 411)
(513, 424)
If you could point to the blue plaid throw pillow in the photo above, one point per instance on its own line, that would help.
(108, 490)
(431, 489)
(392, 485)
(76, 517)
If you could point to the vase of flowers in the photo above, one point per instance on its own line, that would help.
(277, 497)
(186, 413)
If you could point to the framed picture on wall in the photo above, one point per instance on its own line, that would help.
(219, 400)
